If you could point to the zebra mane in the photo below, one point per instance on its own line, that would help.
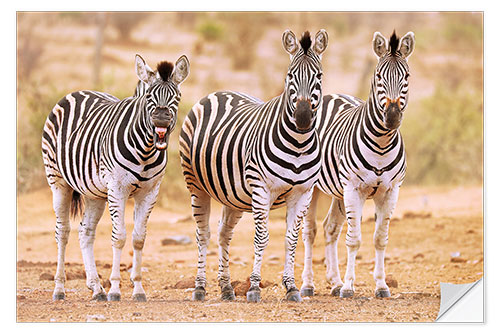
(165, 69)
(393, 43)
(305, 41)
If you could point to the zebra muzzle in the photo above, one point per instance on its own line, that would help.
(303, 115)
(393, 116)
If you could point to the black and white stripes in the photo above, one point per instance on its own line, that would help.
(363, 157)
(254, 156)
(107, 150)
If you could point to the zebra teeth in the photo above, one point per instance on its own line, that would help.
(161, 145)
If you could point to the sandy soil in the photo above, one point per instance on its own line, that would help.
(429, 225)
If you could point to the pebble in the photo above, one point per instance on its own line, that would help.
(46, 276)
(391, 281)
(176, 240)
(95, 318)
(185, 283)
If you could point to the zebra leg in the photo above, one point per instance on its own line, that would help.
(200, 204)
(384, 206)
(332, 226)
(116, 202)
(354, 207)
(261, 204)
(308, 235)
(86, 234)
(230, 218)
(61, 200)
(297, 207)
(144, 204)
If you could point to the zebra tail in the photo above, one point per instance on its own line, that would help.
(76, 207)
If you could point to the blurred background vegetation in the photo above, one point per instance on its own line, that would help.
(58, 53)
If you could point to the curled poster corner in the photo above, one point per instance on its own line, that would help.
(461, 302)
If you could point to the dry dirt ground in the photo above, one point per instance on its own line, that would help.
(430, 226)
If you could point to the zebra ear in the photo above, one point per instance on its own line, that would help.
(181, 70)
(379, 44)
(143, 71)
(290, 42)
(407, 44)
(320, 41)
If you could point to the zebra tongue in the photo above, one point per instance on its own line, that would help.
(160, 131)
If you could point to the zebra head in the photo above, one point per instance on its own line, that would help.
(391, 76)
(303, 80)
(162, 95)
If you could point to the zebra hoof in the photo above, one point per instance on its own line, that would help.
(114, 297)
(99, 297)
(307, 291)
(228, 294)
(253, 295)
(139, 297)
(293, 295)
(383, 293)
(336, 291)
(346, 293)
(58, 296)
(199, 294)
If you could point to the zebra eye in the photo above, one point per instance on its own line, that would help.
(319, 76)
(378, 76)
(407, 76)
(290, 76)
(148, 95)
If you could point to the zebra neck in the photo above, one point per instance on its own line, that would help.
(292, 139)
(141, 132)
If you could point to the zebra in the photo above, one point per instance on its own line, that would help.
(253, 156)
(104, 149)
(363, 157)
(140, 89)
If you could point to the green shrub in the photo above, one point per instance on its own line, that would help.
(210, 31)
(444, 138)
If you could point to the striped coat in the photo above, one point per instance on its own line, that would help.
(255, 156)
(102, 149)
(363, 157)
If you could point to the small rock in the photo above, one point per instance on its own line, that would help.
(46, 276)
(359, 256)
(240, 288)
(95, 318)
(176, 240)
(391, 281)
(457, 259)
(136, 314)
(418, 255)
(416, 215)
(106, 284)
(185, 283)
(19, 297)
(81, 275)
